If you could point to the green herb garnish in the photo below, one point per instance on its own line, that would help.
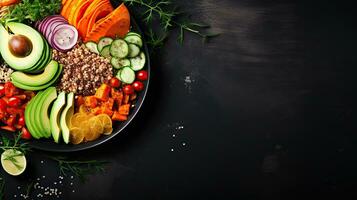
(168, 17)
(80, 169)
(32, 10)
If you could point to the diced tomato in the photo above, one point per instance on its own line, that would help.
(124, 109)
(11, 120)
(10, 89)
(14, 111)
(18, 126)
(2, 90)
(90, 101)
(2, 113)
(118, 117)
(3, 104)
(103, 92)
(21, 121)
(14, 101)
(25, 134)
(8, 128)
(29, 94)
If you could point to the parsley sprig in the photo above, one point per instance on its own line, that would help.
(29, 11)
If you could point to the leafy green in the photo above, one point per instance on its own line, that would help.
(168, 17)
(32, 10)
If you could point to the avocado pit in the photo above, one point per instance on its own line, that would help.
(20, 46)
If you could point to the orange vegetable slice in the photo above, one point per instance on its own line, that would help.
(116, 24)
(80, 10)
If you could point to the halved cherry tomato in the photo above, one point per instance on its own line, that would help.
(21, 121)
(25, 134)
(114, 82)
(3, 104)
(138, 86)
(14, 102)
(128, 89)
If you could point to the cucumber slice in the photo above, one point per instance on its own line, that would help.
(133, 33)
(119, 63)
(105, 52)
(127, 75)
(104, 41)
(133, 50)
(92, 47)
(119, 48)
(138, 62)
(134, 39)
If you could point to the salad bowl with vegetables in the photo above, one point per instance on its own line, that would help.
(73, 73)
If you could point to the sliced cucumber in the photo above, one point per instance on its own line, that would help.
(138, 62)
(134, 39)
(119, 48)
(104, 41)
(133, 33)
(126, 75)
(133, 50)
(92, 47)
(120, 63)
(105, 52)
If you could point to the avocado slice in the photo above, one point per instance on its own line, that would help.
(21, 63)
(41, 117)
(35, 88)
(66, 115)
(29, 120)
(56, 110)
(36, 80)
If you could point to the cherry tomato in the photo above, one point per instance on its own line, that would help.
(138, 86)
(21, 121)
(114, 82)
(25, 134)
(128, 89)
(14, 102)
(142, 75)
(2, 90)
(3, 104)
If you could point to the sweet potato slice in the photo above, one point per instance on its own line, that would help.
(115, 24)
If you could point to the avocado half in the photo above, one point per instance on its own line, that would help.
(55, 115)
(35, 38)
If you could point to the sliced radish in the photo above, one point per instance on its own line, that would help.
(64, 37)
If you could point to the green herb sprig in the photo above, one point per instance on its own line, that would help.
(32, 10)
(168, 18)
(8, 143)
(80, 169)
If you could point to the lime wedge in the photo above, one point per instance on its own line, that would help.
(13, 162)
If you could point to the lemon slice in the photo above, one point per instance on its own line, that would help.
(13, 162)
(76, 135)
(107, 123)
(96, 129)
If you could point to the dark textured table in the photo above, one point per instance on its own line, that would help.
(264, 111)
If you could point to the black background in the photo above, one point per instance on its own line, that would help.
(269, 112)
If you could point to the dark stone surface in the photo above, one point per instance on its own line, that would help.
(265, 111)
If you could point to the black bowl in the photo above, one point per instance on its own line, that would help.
(50, 145)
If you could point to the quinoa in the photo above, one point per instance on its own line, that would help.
(83, 71)
(5, 73)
